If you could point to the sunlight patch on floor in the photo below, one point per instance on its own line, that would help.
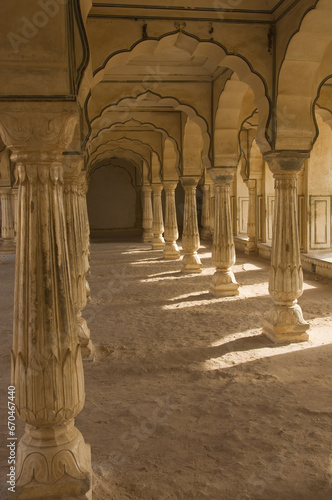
(136, 250)
(306, 286)
(178, 276)
(150, 260)
(161, 274)
(196, 303)
(241, 355)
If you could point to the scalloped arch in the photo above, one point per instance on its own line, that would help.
(306, 65)
(108, 129)
(193, 46)
(143, 150)
(166, 102)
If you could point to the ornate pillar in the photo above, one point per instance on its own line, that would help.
(212, 208)
(251, 246)
(52, 458)
(74, 197)
(171, 250)
(158, 222)
(191, 262)
(147, 214)
(206, 231)
(85, 229)
(223, 249)
(7, 224)
(285, 322)
(15, 199)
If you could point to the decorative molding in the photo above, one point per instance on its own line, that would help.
(33, 129)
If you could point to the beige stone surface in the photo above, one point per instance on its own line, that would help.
(186, 399)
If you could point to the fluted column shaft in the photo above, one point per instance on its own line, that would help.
(251, 246)
(158, 221)
(85, 233)
(15, 196)
(285, 322)
(206, 231)
(212, 208)
(79, 265)
(147, 214)
(191, 262)
(171, 250)
(7, 224)
(47, 369)
(223, 249)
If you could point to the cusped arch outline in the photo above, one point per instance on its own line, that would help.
(131, 122)
(167, 102)
(194, 46)
(305, 66)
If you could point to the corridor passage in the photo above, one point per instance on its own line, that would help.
(185, 398)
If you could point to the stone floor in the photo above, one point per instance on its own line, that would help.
(186, 399)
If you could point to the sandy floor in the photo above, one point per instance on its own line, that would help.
(186, 399)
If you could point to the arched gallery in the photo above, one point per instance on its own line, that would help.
(166, 252)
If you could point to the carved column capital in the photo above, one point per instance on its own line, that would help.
(170, 186)
(72, 166)
(189, 181)
(286, 162)
(146, 189)
(5, 191)
(31, 128)
(157, 189)
(222, 175)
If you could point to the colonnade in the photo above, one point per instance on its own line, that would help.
(284, 322)
(52, 261)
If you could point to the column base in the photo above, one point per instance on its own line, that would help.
(285, 324)
(191, 263)
(83, 333)
(206, 234)
(250, 248)
(147, 236)
(223, 284)
(53, 462)
(171, 251)
(158, 242)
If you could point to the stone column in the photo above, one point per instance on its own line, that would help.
(212, 208)
(191, 262)
(251, 246)
(223, 249)
(85, 229)
(171, 250)
(15, 205)
(7, 224)
(147, 214)
(158, 221)
(78, 259)
(285, 322)
(52, 458)
(206, 231)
